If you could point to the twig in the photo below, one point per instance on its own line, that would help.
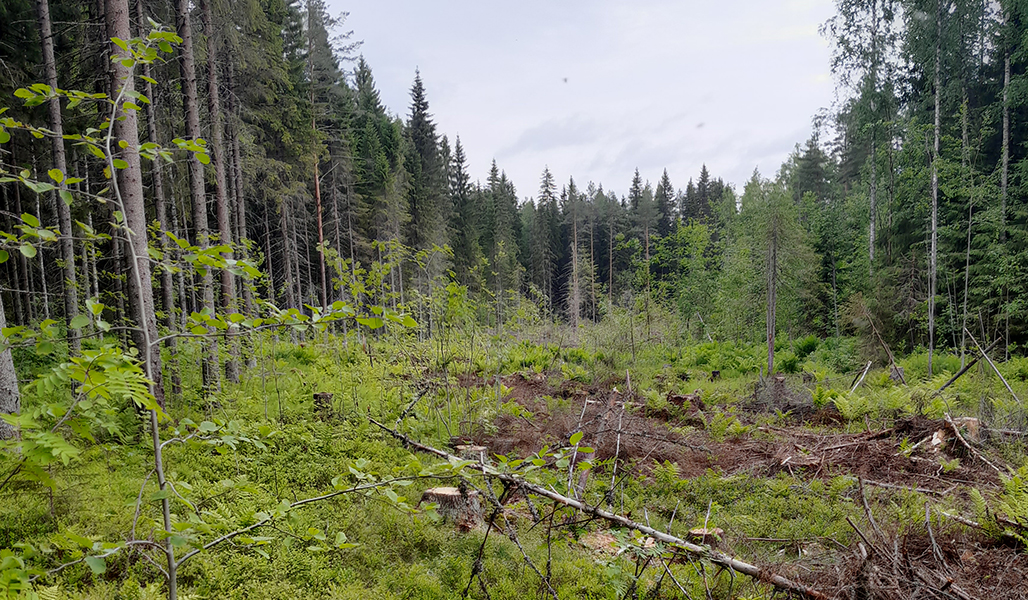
(709, 554)
(931, 536)
(672, 576)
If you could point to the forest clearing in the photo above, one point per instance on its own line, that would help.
(883, 490)
(263, 337)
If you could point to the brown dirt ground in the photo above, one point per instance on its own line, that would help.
(810, 444)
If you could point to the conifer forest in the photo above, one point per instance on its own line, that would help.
(264, 336)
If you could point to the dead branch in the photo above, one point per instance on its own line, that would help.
(993, 365)
(861, 379)
(956, 432)
(892, 359)
(713, 556)
(961, 372)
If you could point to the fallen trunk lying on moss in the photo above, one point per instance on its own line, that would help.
(715, 557)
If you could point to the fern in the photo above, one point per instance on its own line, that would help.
(1013, 504)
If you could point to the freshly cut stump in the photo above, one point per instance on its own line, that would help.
(463, 509)
(707, 537)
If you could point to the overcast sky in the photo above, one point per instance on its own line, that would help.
(595, 88)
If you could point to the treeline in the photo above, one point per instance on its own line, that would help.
(905, 210)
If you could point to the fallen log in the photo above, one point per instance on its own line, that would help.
(715, 557)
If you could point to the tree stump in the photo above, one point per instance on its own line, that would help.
(472, 452)
(896, 374)
(707, 537)
(461, 507)
(323, 405)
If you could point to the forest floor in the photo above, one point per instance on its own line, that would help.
(877, 491)
(779, 430)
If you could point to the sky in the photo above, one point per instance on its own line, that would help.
(594, 89)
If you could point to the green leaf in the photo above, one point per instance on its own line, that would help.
(30, 220)
(371, 322)
(577, 437)
(4, 256)
(79, 322)
(119, 164)
(203, 158)
(24, 93)
(161, 494)
(56, 175)
(165, 47)
(66, 196)
(120, 43)
(96, 564)
(28, 250)
(4, 136)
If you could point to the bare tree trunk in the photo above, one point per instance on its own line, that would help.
(23, 265)
(772, 297)
(287, 254)
(873, 216)
(933, 256)
(10, 396)
(228, 280)
(67, 243)
(129, 188)
(237, 177)
(576, 299)
(160, 207)
(211, 375)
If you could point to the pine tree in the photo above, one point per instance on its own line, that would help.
(665, 199)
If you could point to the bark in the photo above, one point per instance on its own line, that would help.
(237, 181)
(160, 207)
(196, 186)
(23, 262)
(576, 299)
(129, 182)
(873, 211)
(772, 297)
(10, 397)
(1004, 173)
(933, 252)
(67, 243)
(228, 280)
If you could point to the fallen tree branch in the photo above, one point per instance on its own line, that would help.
(966, 368)
(718, 558)
(956, 432)
(994, 367)
(861, 379)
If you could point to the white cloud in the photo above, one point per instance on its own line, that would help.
(649, 84)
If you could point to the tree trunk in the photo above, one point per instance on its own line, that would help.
(67, 243)
(129, 192)
(161, 210)
(873, 211)
(228, 281)
(772, 296)
(196, 187)
(933, 256)
(237, 179)
(10, 397)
